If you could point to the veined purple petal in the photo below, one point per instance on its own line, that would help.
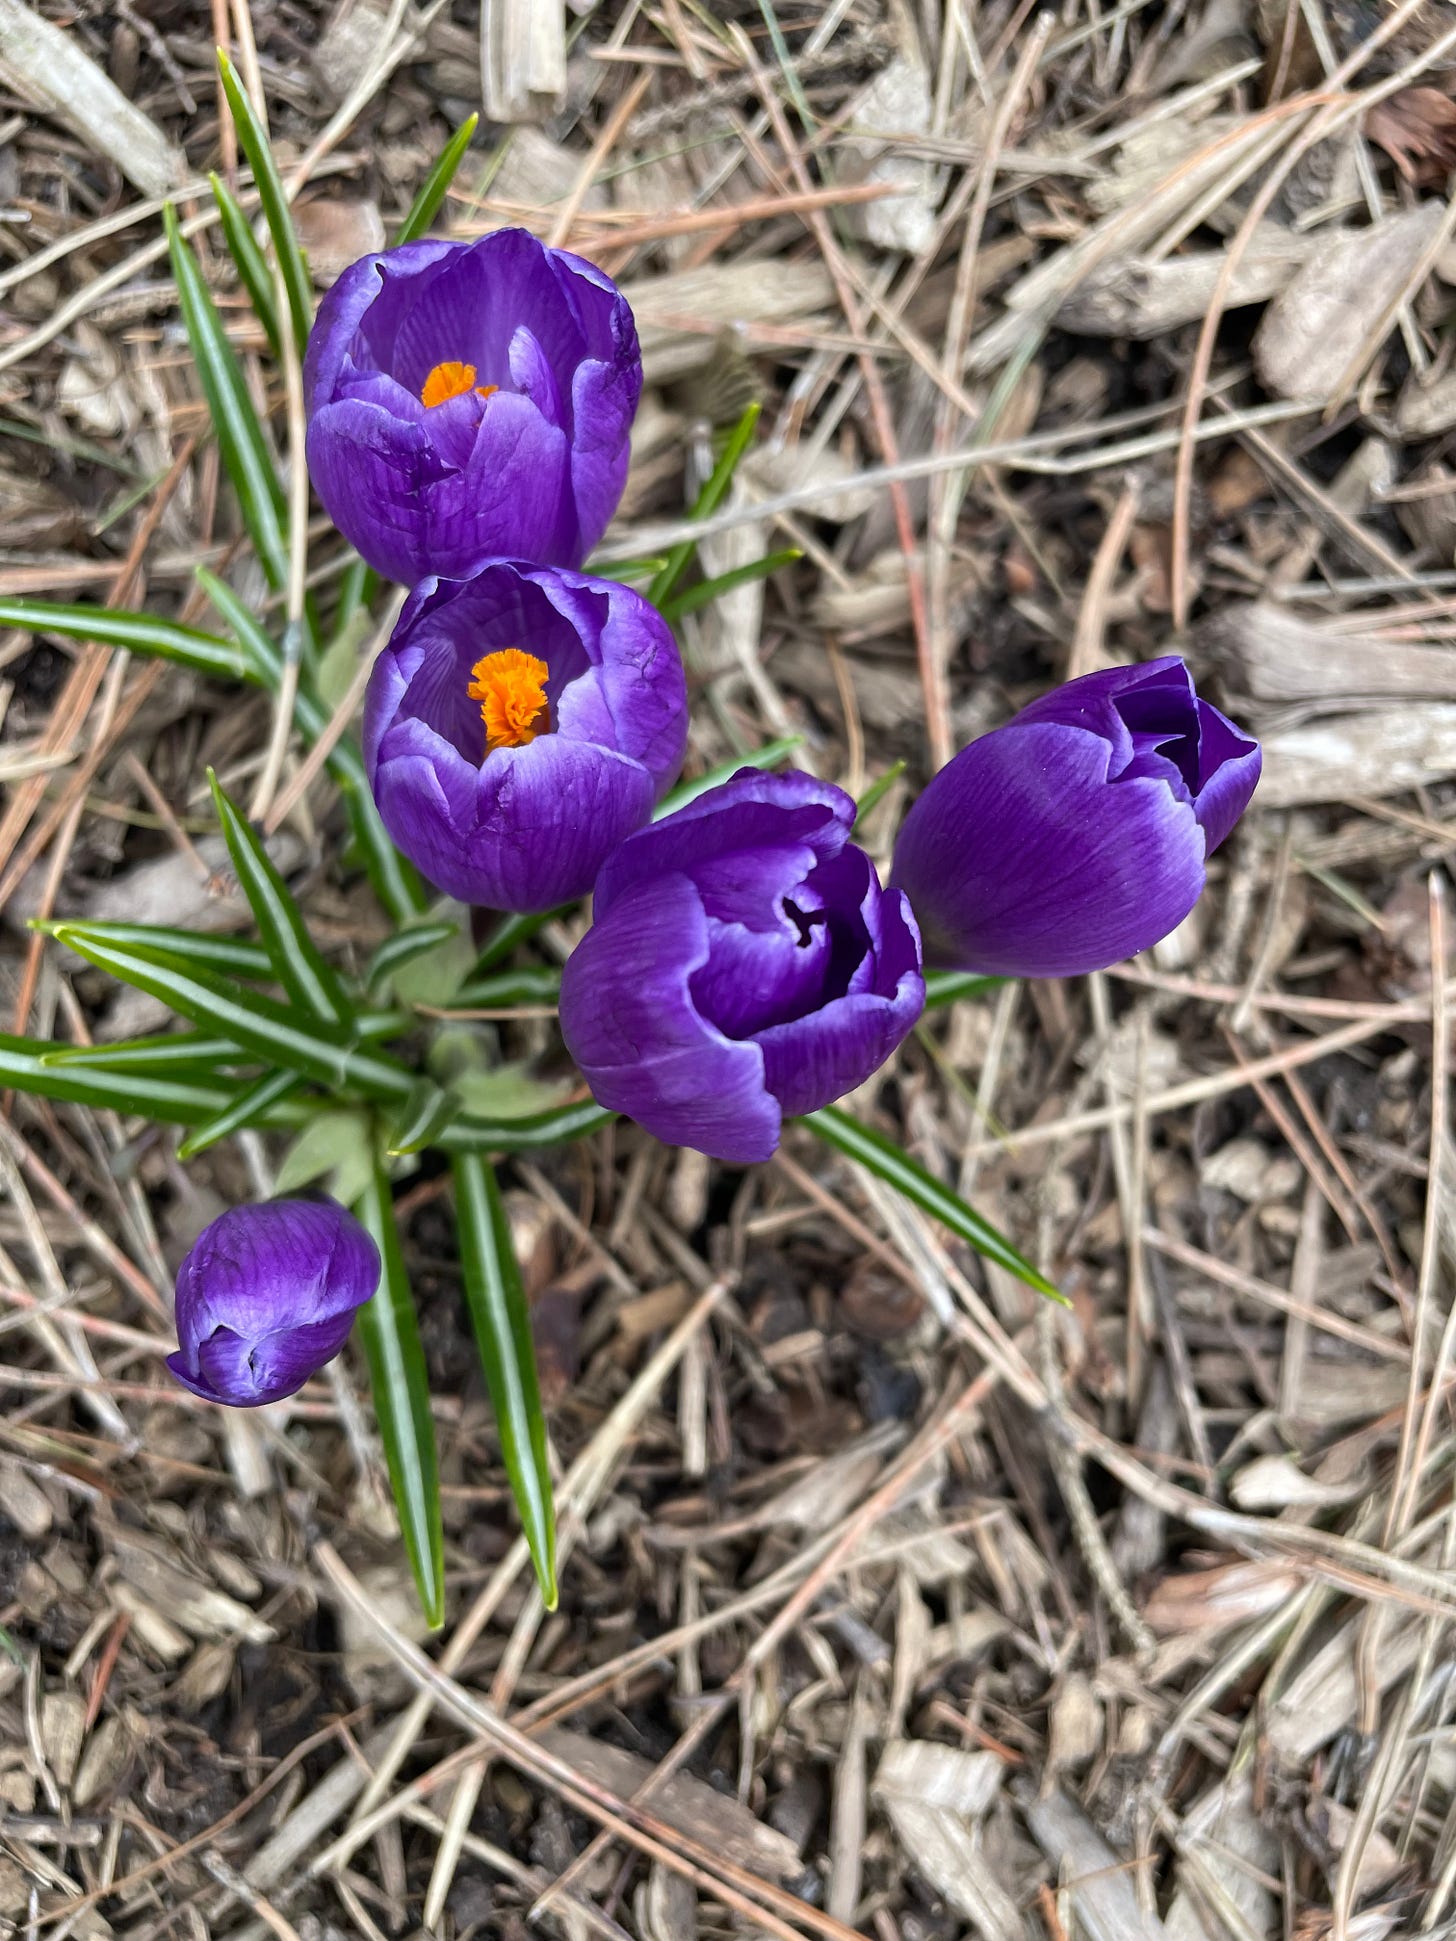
(629, 1021)
(1076, 835)
(1023, 859)
(750, 810)
(267, 1296)
(1229, 763)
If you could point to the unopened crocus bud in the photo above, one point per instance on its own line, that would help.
(469, 401)
(518, 725)
(744, 965)
(1077, 834)
(267, 1295)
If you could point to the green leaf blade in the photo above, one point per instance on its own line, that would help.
(239, 432)
(534, 1134)
(945, 987)
(707, 591)
(907, 1176)
(137, 633)
(311, 982)
(436, 185)
(768, 756)
(179, 1052)
(26, 1065)
(496, 1298)
(248, 259)
(397, 1377)
(272, 1033)
(707, 502)
(424, 1116)
(293, 271)
(251, 1105)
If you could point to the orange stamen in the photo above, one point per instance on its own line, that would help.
(511, 689)
(446, 381)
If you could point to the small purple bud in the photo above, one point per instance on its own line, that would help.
(1075, 835)
(267, 1296)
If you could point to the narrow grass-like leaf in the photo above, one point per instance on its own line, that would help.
(259, 151)
(896, 1168)
(260, 650)
(25, 1066)
(769, 756)
(169, 1051)
(512, 932)
(422, 1118)
(707, 502)
(535, 984)
(502, 1323)
(251, 1105)
(228, 956)
(391, 1337)
(355, 594)
(877, 790)
(311, 982)
(535, 1134)
(273, 1033)
(707, 591)
(944, 987)
(403, 947)
(139, 633)
(248, 259)
(436, 185)
(240, 436)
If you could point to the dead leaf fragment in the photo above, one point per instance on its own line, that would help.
(1311, 334)
(690, 1805)
(1383, 752)
(935, 1797)
(1417, 130)
(336, 232)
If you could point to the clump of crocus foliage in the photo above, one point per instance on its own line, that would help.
(468, 415)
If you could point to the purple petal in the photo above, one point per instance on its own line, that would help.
(814, 1059)
(630, 1023)
(527, 830)
(750, 811)
(1229, 763)
(1022, 859)
(757, 977)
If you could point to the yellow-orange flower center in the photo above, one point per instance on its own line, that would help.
(511, 689)
(452, 380)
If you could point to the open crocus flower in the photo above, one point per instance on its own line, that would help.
(471, 400)
(1075, 835)
(518, 725)
(267, 1296)
(744, 964)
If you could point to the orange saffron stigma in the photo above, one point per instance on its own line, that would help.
(451, 380)
(511, 689)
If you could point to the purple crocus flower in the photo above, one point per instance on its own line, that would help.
(518, 725)
(744, 964)
(471, 400)
(267, 1296)
(1075, 835)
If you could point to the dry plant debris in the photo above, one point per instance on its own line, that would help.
(890, 1606)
